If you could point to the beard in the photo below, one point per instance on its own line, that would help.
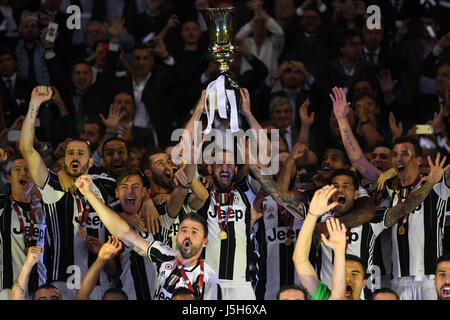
(189, 251)
(83, 170)
(222, 187)
(163, 181)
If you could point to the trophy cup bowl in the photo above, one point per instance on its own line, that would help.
(221, 49)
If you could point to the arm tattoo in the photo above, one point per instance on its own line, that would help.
(349, 139)
(137, 249)
(407, 206)
(290, 203)
(22, 291)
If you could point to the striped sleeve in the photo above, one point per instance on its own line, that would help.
(158, 253)
(441, 188)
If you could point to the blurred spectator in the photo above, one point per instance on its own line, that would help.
(150, 85)
(95, 31)
(266, 48)
(290, 81)
(15, 90)
(91, 10)
(30, 51)
(8, 26)
(375, 48)
(309, 42)
(193, 61)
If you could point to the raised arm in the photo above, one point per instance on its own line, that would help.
(400, 210)
(354, 152)
(284, 177)
(291, 204)
(36, 165)
(116, 225)
(107, 252)
(199, 194)
(337, 241)
(176, 200)
(20, 286)
(319, 205)
(191, 152)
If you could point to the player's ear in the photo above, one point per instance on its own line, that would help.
(419, 160)
(147, 173)
(205, 242)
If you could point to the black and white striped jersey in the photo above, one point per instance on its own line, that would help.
(170, 277)
(138, 274)
(12, 243)
(414, 253)
(186, 209)
(66, 253)
(360, 242)
(276, 268)
(230, 257)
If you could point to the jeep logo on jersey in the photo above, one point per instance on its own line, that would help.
(235, 215)
(278, 234)
(160, 295)
(352, 237)
(93, 221)
(38, 232)
(174, 229)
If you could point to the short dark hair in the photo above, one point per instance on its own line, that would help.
(347, 172)
(129, 172)
(99, 122)
(112, 139)
(196, 217)
(412, 140)
(4, 50)
(383, 143)
(347, 36)
(292, 287)
(145, 163)
(140, 46)
(183, 290)
(351, 257)
(443, 258)
(12, 159)
(46, 286)
(79, 62)
(80, 140)
(340, 148)
(363, 95)
(115, 290)
(384, 290)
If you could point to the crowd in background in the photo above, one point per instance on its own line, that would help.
(136, 69)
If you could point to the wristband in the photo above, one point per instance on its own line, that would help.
(111, 133)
